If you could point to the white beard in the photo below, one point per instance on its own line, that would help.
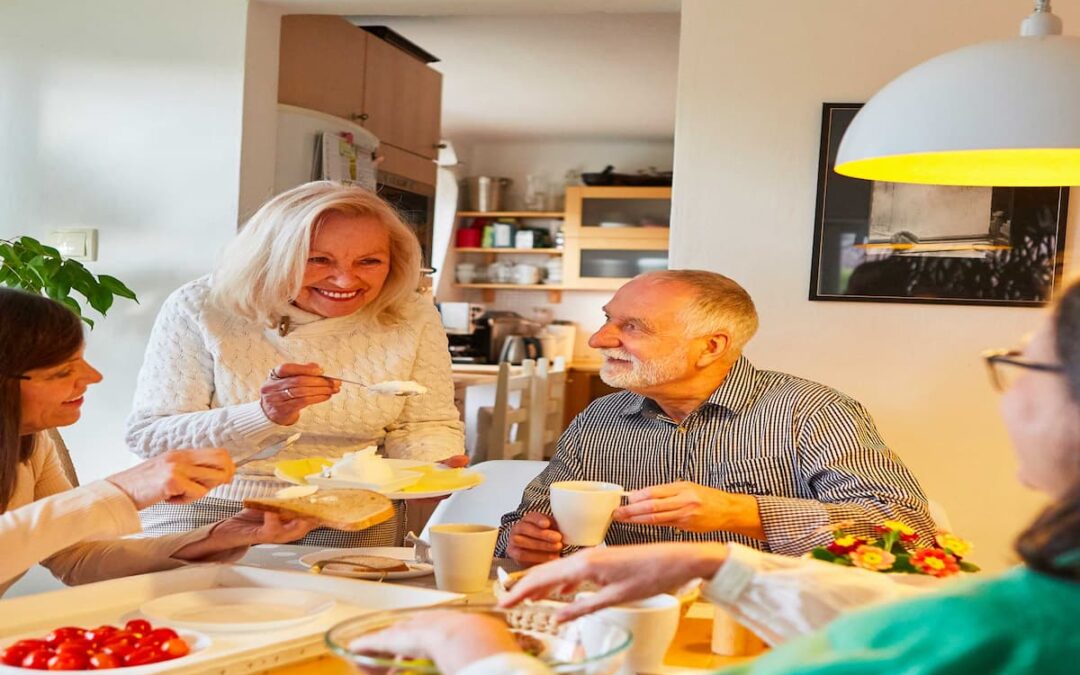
(641, 374)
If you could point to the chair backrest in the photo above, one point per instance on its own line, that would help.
(548, 400)
(64, 456)
(940, 516)
(508, 435)
(486, 503)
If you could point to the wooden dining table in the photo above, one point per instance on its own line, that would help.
(690, 652)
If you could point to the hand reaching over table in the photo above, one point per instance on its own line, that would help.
(247, 528)
(624, 573)
(178, 476)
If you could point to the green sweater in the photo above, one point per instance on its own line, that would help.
(1020, 622)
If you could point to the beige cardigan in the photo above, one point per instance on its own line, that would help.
(72, 531)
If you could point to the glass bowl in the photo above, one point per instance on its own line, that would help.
(587, 645)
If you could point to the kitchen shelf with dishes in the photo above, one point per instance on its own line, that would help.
(610, 235)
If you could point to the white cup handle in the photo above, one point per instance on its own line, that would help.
(421, 548)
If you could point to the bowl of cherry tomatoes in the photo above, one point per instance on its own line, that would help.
(137, 643)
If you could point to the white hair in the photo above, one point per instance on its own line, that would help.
(263, 268)
(720, 305)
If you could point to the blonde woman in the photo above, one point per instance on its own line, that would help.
(320, 281)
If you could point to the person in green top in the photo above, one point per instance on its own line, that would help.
(1015, 623)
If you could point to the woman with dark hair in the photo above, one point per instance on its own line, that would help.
(1018, 622)
(43, 377)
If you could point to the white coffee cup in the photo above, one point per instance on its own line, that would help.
(583, 509)
(526, 274)
(462, 555)
(653, 623)
(465, 273)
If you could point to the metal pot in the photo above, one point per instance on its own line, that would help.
(486, 192)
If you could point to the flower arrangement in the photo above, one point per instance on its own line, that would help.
(895, 550)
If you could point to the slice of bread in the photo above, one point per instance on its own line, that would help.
(349, 510)
(367, 563)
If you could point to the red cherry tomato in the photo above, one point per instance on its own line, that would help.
(175, 648)
(141, 657)
(156, 637)
(14, 655)
(74, 645)
(119, 648)
(101, 634)
(63, 634)
(138, 626)
(68, 661)
(38, 659)
(101, 660)
(31, 645)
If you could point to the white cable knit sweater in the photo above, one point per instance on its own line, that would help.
(200, 379)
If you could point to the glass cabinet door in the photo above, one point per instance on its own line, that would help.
(639, 213)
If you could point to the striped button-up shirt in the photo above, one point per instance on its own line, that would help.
(810, 455)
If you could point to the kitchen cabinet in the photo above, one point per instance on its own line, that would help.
(613, 234)
(583, 386)
(402, 99)
(330, 65)
(321, 65)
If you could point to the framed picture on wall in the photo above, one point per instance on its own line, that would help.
(897, 242)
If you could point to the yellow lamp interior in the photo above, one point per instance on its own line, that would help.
(1025, 167)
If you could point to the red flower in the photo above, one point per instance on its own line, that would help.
(909, 538)
(844, 545)
(935, 562)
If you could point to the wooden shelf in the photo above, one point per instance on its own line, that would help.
(553, 215)
(535, 251)
(554, 291)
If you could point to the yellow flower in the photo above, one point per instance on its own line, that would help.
(953, 543)
(872, 558)
(897, 526)
(846, 540)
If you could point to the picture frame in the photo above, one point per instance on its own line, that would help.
(891, 242)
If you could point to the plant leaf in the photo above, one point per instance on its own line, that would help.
(101, 299)
(117, 287)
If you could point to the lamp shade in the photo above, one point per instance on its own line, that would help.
(1003, 113)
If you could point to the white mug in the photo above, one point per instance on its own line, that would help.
(583, 509)
(526, 274)
(462, 556)
(465, 273)
(653, 623)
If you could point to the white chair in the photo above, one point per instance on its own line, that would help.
(485, 504)
(504, 427)
(548, 401)
(940, 516)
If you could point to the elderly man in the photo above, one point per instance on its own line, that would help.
(712, 448)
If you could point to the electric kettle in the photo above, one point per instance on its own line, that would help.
(517, 348)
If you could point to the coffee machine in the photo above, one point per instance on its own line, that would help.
(468, 342)
(481, 337)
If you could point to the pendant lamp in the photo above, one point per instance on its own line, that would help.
(1004, 113)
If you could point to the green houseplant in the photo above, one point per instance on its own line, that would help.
(30, 265)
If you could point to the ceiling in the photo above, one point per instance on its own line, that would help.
(540, 69)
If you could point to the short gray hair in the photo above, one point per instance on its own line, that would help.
(720, 305)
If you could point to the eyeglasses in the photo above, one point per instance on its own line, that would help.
(16, 377)
(1007, 365)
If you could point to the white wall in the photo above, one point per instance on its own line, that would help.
(124, 116)
(751, 82)
(516, 160)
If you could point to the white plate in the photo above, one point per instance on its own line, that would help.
(404, 479)
(196, 641)
(396, 464)
(403, 553)
(396, 492)
(238, 609)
